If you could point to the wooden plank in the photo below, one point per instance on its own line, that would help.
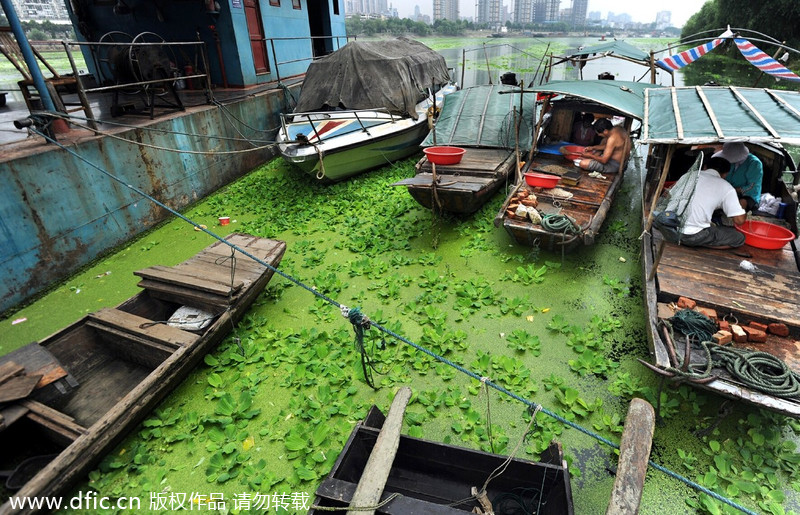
(11, 414)
(178, 277)
(37, 360)
(170, 336)
(18, 387)
(179, 295)
(10, 369)
(376, 471)
(634, 454)
(133, 348)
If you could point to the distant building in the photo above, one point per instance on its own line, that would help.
(490, 12)
(546, 11)
(374, 7)
(523, 11)
(41, 10)
(595, 16)
(579, 8)
(445, 10)
(663, 20)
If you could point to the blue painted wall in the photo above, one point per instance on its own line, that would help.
(186, 20)
(58, 214)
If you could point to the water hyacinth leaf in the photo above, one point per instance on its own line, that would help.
(225, 405)
(211, 360)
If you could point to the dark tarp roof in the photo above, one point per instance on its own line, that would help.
(711, 114)
(625, 97)
(481, 117)
(390, 74)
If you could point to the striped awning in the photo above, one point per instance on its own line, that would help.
(763, 62)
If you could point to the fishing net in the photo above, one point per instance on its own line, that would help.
(677, 198)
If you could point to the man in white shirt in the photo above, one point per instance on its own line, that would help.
(713, 192)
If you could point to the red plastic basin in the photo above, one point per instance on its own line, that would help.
(763, 235)
(541, 180)
(572, 152)
(444, 155)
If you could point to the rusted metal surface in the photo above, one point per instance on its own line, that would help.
(58, 213)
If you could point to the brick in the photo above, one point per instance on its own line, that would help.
(722, 337)
(778, 329)
(755, 335)
(739, 336)
(758, 325)
(686, 303)
(710, 313)
(724, 325)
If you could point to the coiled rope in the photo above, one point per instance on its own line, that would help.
(752, 369)
(560, 223)
(389, 332)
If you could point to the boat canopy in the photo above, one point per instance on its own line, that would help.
(624, 97)
(389, 74)
(481, 116)
(711, 114)
(619, 49)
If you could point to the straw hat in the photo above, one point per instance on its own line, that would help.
(734, 152)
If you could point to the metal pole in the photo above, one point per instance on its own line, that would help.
(275, 60)
(81, 93)
(27, 53)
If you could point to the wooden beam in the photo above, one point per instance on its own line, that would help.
(376, 471)
(634, 454)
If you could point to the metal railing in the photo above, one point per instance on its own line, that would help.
(339, 115)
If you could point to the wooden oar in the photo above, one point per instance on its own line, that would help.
(376, 472)
(634, 453)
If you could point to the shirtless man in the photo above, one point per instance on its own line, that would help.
(610, 153)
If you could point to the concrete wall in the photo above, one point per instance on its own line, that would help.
(58, 213)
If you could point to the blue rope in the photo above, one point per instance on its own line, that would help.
(357, 316)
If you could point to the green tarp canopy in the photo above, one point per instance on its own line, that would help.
(711, 114)
(482, 117)
(619, 49)
(626, 98)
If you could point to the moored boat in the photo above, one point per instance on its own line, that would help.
(481, 120)
(750, 287)
(571, 210)
(100, 376)
(363, 106)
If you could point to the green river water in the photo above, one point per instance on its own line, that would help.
(271, 414)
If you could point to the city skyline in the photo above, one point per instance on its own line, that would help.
(642, 12)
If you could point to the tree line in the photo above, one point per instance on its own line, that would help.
(778, 19)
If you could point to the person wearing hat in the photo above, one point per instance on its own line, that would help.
(610, 155)
(746, 173)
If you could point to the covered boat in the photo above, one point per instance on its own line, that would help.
(95, 380)
(572, 212)
(749, 292)
(363, 106)
(482, 120)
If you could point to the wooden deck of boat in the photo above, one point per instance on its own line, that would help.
(714, 278)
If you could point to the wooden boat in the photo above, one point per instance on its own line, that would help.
(436, 478)
(480, 120)
(361, 107)
(462, 188)
(100, 376)
(679, 123)
(402, 474)
(574, 211)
